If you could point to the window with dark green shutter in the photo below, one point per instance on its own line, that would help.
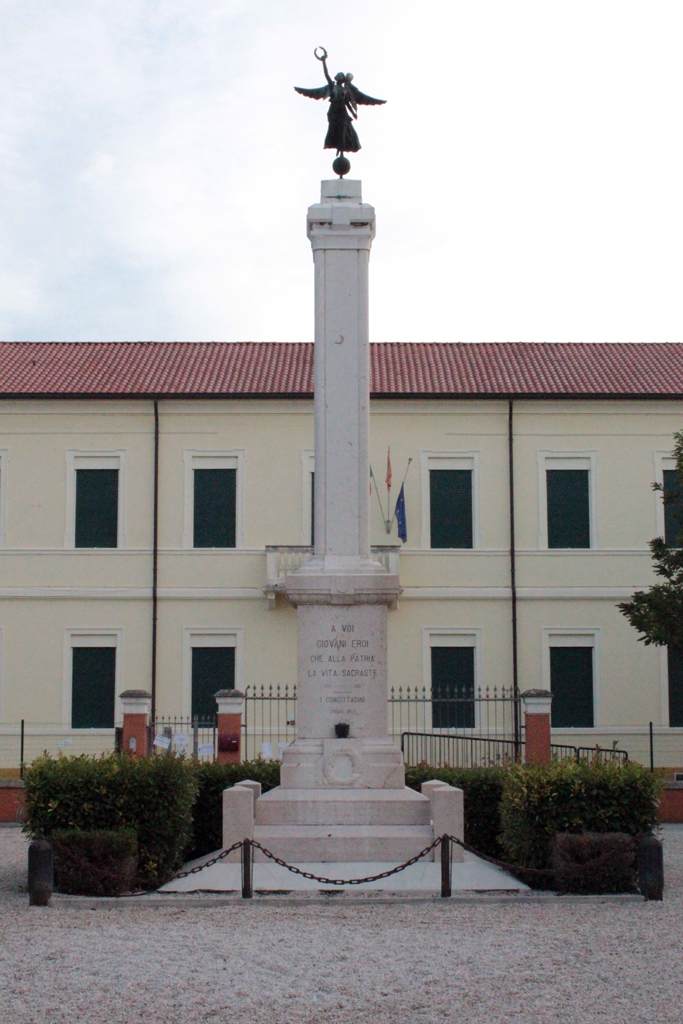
(215, 508)
(673, 511)
(571, 684)
(450, 508)
(675, 664)
(213, 669)
(568, 508)
(93, 687)
(453, 687)
(97, 508)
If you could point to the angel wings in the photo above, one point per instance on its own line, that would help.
(354, 95)
(344, 100)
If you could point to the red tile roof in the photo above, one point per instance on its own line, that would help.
(270, 369)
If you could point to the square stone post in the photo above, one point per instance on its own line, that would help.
(342, 794)
(136, 707)
(342, 594)
(229, 726)
(537, 704)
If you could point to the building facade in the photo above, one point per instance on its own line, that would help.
(153, 495)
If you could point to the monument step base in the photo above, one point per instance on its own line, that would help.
(330, 843)
(342, 807)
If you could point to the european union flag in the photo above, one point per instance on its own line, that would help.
(400, 513)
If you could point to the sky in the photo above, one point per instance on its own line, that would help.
(156, 166)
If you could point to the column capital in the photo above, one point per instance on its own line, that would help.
(341, 220)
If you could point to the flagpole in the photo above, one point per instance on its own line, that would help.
(388, 521)
(372, 478)
(399, 491)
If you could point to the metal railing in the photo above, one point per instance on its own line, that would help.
(268, 721)
(436, 749)
(192, 737)
(458, 730)
(485, 712)
(22, 742)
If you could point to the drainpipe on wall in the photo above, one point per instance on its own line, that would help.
(155, 562)
(513, 583)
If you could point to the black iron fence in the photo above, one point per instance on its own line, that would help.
(458, 751)
(192, 737)
(268, 721)
(485, 712)
(462, 730)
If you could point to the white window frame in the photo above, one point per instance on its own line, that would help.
(576, 636)
(210, 636)
(76, 459)
(567, 460)
(4, 460)
(451, 636)
(450, 460)
(307, 467)
(663, 460)
(195, 459)
(91, 637)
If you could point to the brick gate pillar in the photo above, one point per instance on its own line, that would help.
(537, 704)
(229, 725)
(136, 707)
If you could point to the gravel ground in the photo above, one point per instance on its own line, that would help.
(549, 963)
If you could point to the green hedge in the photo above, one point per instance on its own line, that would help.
(540, 801)
(482, 789)
(152, 795)
(207, 813)
(100, 863)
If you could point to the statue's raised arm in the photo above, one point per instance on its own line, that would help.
(344, 100)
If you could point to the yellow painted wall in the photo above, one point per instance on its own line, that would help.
(47, 588)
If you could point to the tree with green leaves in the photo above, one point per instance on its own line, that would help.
(657, 613)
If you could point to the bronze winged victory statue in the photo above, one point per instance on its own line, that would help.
(344, 100)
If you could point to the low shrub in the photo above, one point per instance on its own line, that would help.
(541, 801)
(207, 812)
(152, 795)
(482, 789)
(594, 862)
(101, 863)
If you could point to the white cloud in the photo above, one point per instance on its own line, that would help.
(157, 166)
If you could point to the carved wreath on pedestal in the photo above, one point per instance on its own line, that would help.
(343, 766)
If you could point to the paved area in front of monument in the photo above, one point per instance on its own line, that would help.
(489, 960)
(474, 874)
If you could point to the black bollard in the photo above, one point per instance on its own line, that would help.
(247, 870)
(445, 865)
(651, 867)
(40, 872)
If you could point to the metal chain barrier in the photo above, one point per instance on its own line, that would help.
(501, 863)
(248, 845)
(346, 881)
(209, 864)
(574, 869)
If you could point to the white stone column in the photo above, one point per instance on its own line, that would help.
(342, 594)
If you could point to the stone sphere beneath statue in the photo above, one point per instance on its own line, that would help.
(341, 166)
